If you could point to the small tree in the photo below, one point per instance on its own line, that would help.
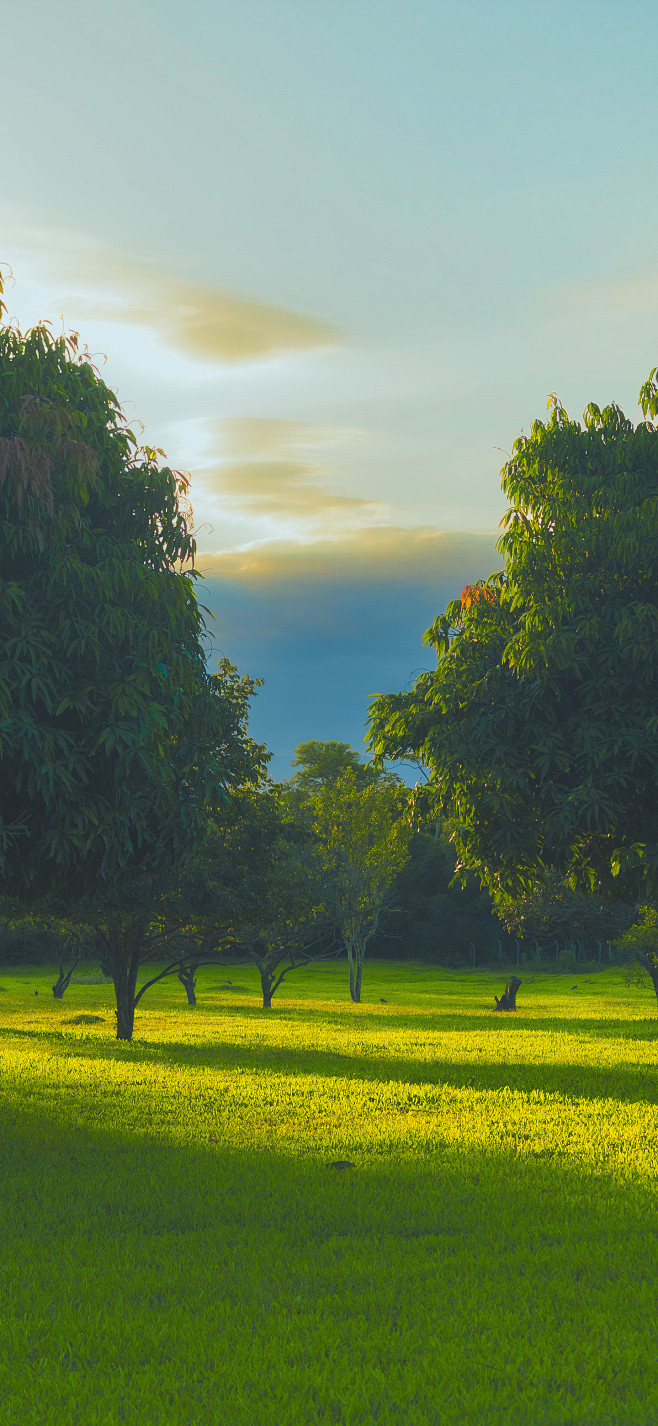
(364, 834)
(290, 929)
(220, 894)
(642, 939)
(254, 890)
(186, 914)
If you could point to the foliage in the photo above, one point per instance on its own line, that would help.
(289, 928)
(164, 1203)
(539, 723)
(26, 940)
(364, 834)
(116, 741)
(321, 764)
(642, 940)
(191, 914)
(114, 736)
(555, 911)
(437, 919)
(254, 890)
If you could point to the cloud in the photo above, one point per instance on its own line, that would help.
(277, 471)
(614, 298)
(288, 488)
(197, 319)
(385, 554)
(329, 625)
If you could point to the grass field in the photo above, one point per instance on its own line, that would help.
(176, 1248)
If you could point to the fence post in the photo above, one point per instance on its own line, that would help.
(598, 943)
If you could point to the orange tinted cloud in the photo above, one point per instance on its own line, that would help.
(279, 468)
(197, 319)
(387, 553)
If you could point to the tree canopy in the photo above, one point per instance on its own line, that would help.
(364, 835)
(115, 738)
(320, 764)
(539, 724)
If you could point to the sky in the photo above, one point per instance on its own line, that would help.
(334, 255)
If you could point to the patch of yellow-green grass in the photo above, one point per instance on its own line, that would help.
(178, 1249)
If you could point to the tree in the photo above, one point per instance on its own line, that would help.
(642, 939)
(320, 765)
(237, 897)
(437, 919)
(364, 833)
(290, 930)
(184, 911)
(115, 737)
(554, 911)
(539, 723)
(258, 888)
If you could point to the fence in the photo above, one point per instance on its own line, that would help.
(567, 954)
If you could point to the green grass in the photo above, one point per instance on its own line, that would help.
(177, 1250)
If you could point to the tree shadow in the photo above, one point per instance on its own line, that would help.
(403, 1018)
(179, 1255)
(623, 1083)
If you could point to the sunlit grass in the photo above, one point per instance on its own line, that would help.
(177, 1248)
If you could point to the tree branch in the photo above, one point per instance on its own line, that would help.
(175, 966)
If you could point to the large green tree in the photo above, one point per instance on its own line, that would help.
(539, 725)
(115, 738)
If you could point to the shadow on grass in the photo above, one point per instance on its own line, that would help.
(154, 1187)
(623, 1082)
(488, 1022)
(124, 1252)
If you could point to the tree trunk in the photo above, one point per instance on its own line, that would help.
(121, 939)
(125, 970)
(187, 977)
(61, 984)
(266, 987)
(125, 1011)
(355, 959)
(64, 978)
(652, 971)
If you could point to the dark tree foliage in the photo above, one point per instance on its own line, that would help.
(437, 919)
(555, 911)
(642, 941)
(251, 892)
(114, 735)
(540, 723)
(185, 912)
(116, 740)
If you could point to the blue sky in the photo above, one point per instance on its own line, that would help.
(336, 256)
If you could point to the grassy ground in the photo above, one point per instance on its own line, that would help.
(178, 1250)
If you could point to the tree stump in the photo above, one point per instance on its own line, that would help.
(508, 1000)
